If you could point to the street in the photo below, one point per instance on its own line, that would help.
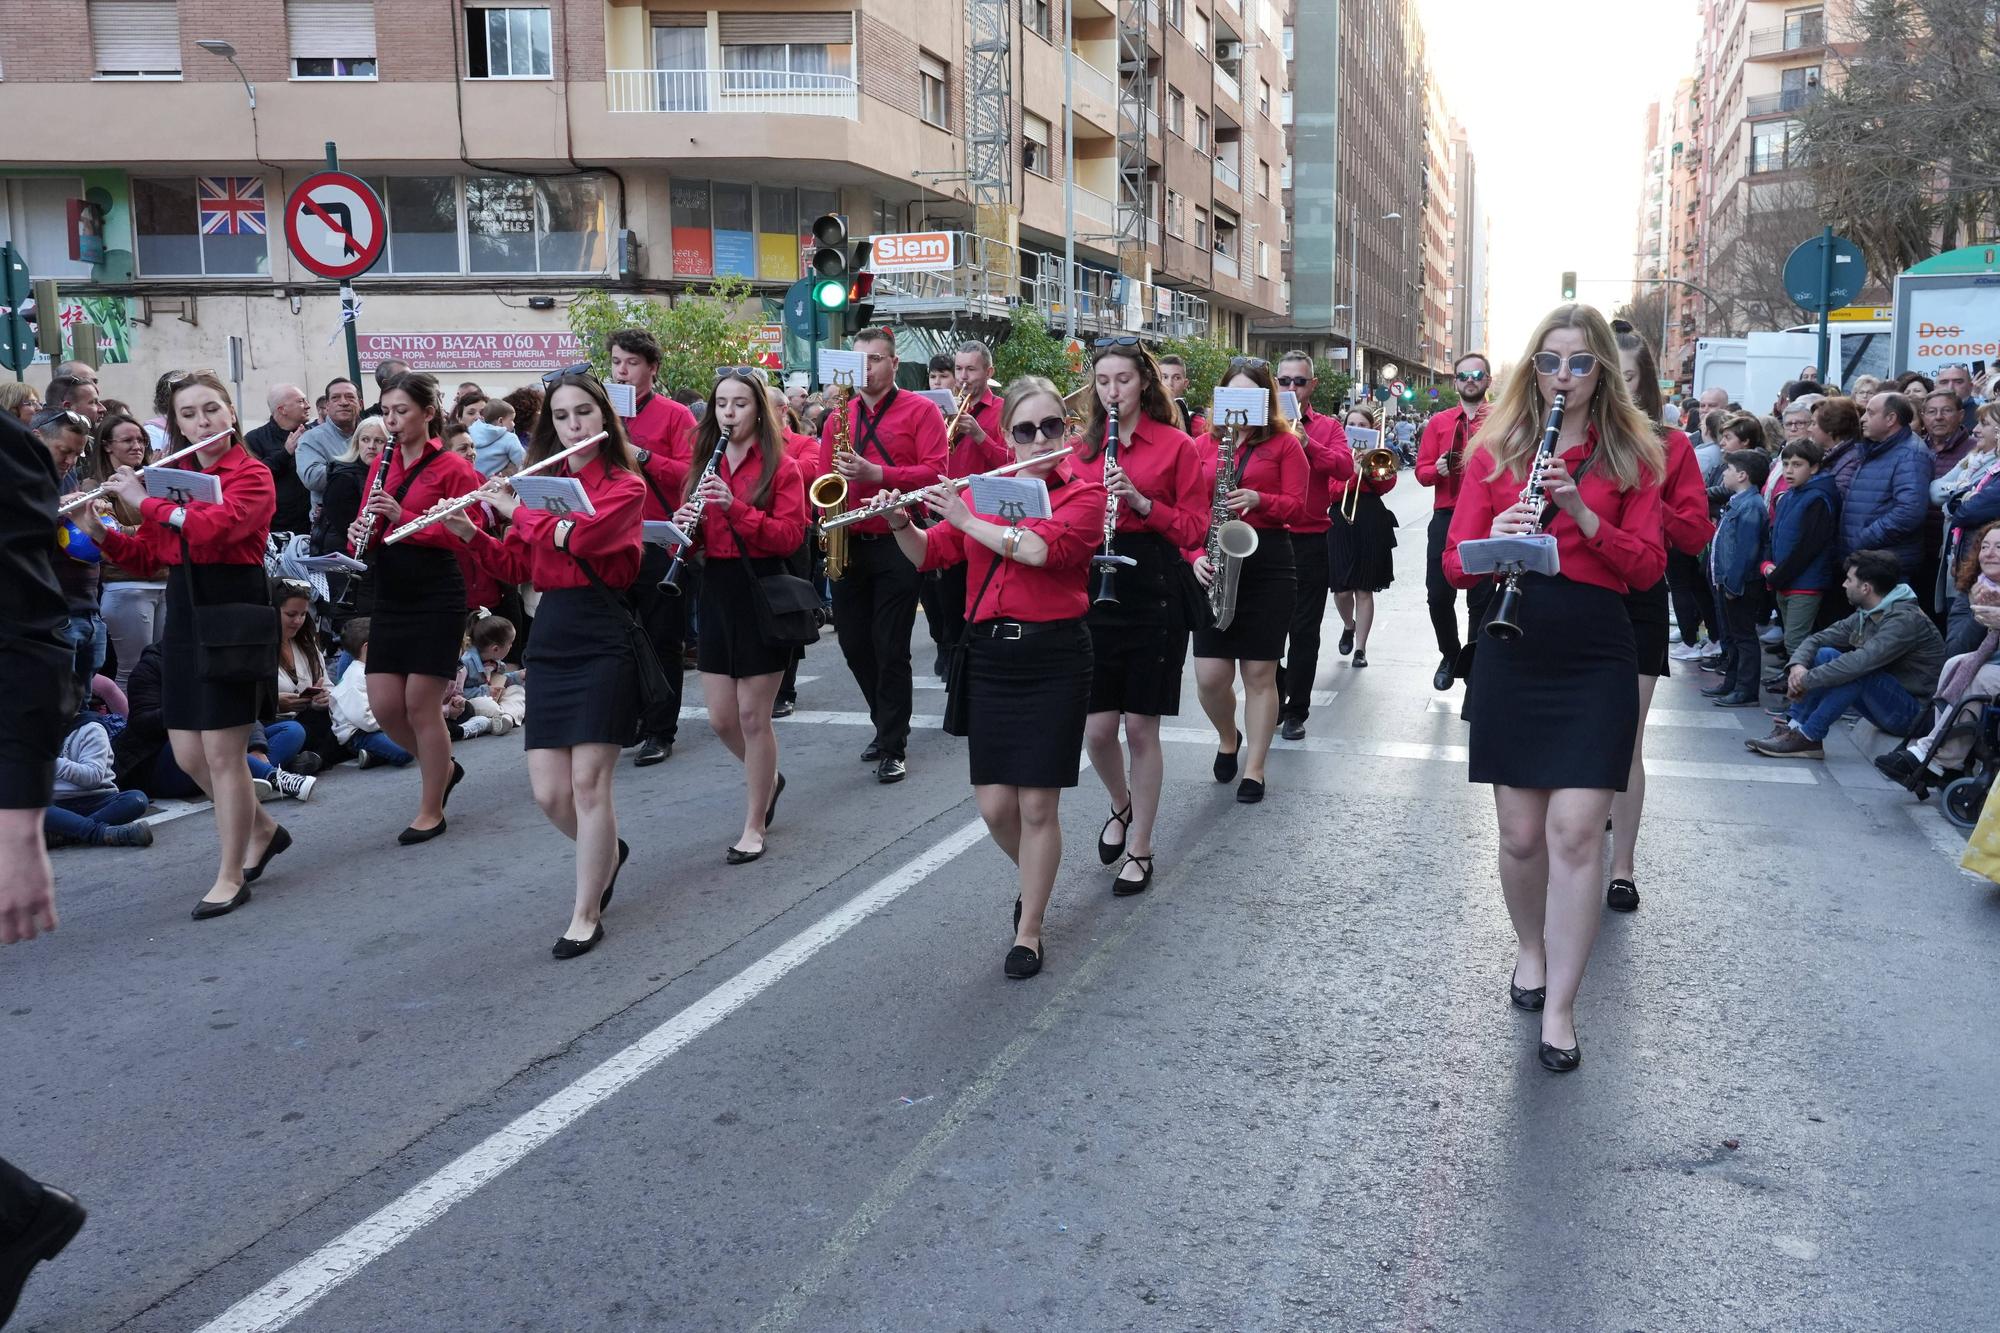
(1282, 1090)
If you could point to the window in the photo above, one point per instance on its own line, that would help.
(1285, 172)
(331, 39)
(1263, 260)
(1200, 130)
(1035, 14)
(935, 77)
(785, 52)
(1035, 155)
(194, 226)
(1285, 107)
(1263, 178)
(1286, 41)
(1201, 226)
(1176, 213)
(135, 39)
(1176, 111)
(1177, 13)
(1805, 27)
(1264, 98)
(423, 223)
(551, 225)
(34, 216)
(1774, 146)
(507, 44)
(1199, 33)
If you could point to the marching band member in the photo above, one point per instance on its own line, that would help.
(751, 513)
(1361, 549)
(803, 450)
(208, 722)
(417, 616)
(1688, 530)
(1271, 479)
(1329, 461)
(582, 678)
(1447, 441)
(973, 443)
(1554, 714)
(898, 443)
(1139, 642)
(1030, 651)
(1174, 380)
(662, 432)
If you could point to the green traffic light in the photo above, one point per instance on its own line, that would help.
(830, 293)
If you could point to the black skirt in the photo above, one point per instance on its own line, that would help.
(583, 684)
(416, 617)
(1559, 706)
(1139, 643)
(1360, 556)
(1264, 596)
(730, 643)
(187, 702)
(1648, 611)
(1029, 697)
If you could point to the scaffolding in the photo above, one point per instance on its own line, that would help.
(1135, 109)
(989, 118)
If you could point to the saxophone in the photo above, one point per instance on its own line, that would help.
(1231, 541)
(828, 493)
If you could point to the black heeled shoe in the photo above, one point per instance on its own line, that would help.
(1022, 962)
(457, 776)
(1529, 1000)
(771, 810)
(1225, 764)
(413, 835)
(279, 842)
(1125, 888)
(1107, 852)
(1559, 1061)
(623, 852)
(569, 948)
(204, 910)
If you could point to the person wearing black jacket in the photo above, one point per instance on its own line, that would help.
(36, 1220)
(276, 445)
(1805, 539)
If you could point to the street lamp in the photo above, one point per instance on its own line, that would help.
(217, 47)
(1354, 269)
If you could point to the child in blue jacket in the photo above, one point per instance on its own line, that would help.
(1733, 563)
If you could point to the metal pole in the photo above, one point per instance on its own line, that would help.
(1069, 171)
(347, 302)
(1825, 294)
(1354, 296)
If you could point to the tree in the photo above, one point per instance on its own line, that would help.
(697, 333)
(1332, 387)
(1207, 362)
(1645, 312)
(1030, 349)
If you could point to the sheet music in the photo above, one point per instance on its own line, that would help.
(554, 495)
(182, 485)
(1010, 499)
(939, 399)
(1360, 438)
(662, 532)
(1288, 403)
(624, 399)
(837, 367)
(1253, 403)
(1535, 553)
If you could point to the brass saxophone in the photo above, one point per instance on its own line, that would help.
(828, 492)
(1231, 541)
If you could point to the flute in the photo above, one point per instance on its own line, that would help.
(175, 456)
(885, 501)
(446, 508)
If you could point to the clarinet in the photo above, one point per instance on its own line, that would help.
(672, 580)
(1505, 622)
(1106, 561)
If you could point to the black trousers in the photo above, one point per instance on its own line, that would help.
(663, 616)
(943, 597)
(1300, 668)
(874, 610)
(1741, 664)
(1442, 599)
(1693, 596)
(805, 563)
(20, 1200)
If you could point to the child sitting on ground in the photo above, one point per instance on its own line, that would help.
(89, 809)
(491, 690)
(354, 722)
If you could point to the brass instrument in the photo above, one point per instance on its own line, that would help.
(444, 509)
(672, 580)
(1231, 541)
(885, 502)
(99, 492)
(1107, 561)
(1377, 464)
(958, 415)
(828, 492)
(1505, 622)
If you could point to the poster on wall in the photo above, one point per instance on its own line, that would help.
(1947, 319)
(694, 243)
(456, 352)
(778, 257)
(114, 326)
(735, 254)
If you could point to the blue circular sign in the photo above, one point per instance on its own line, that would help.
(1805, 272)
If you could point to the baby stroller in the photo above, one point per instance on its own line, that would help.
(1964, 786)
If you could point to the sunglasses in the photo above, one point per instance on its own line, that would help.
(1048, 428)
(747, 372)
(1247, 363)
(1121, 340)
(1294, 381)
(580, 368)
(1470, 376)
(1581, 364)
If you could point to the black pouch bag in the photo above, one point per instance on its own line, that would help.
(237, 642)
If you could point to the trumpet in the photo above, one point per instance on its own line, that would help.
(444, 509)
(100, 492)
(884, 502)
(958, 416)
(828, 492)
(1505, 622)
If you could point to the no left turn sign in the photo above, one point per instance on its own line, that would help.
(334, 225)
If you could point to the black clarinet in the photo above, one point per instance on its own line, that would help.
(1505, 623)
(671, 581)
(1107, 561)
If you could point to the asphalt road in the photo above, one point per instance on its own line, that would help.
(1284, 1090)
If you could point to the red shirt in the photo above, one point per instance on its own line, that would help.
(1057, 590)
(804, 451)
(608, 539)
(1626, 553)
(1275, 468)
(1329, 462)
(1442, 433)
(234, 532)
(1161, 465)
(1684, 498)
(777, 530)
(663, 431)
(908, 429)
(444, 478)
(967, 455)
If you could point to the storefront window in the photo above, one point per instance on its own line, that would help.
(500, 224)
(694, 241)
(201, 226)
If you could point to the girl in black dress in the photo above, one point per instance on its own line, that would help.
(1361, 549)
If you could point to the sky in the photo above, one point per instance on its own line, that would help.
(1553, 99)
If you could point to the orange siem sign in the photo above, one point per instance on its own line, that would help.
(911, 252)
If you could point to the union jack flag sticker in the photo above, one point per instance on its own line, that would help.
(231, 205)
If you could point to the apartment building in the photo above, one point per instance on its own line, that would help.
(1468, 295)
(526, 152)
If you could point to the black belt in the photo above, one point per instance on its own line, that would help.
(1016, 629)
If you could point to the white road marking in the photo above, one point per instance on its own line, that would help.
(170, 810)
(299, 1287)
(1657, 717)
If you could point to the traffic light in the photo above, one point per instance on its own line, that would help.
(860, 289)
(1569, 285)
(1409, 393)
(829, 262)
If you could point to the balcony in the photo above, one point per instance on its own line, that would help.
(1766, 158)
(732, 92)
(1225, 264)
(1090, 80)
(1775, 104)
(1094, 96)
(1094, 207)
(1226, 84)
(1789, 39)
(1226, 173)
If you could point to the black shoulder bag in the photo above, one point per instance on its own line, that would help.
(654, 691)
(236, 642)
(958, 671)
(786, 606)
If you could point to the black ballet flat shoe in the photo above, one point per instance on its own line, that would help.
(52, 1225)
(1346, 642)
(623, 852)
(1125, 888)
(457, 776)
(736, 856)
(771, 810)
(1360, 657)
(1249, 791)
(1622, 896)
(1107, 852)
(568, 948)
(1022, 963)
(204, 910)
(413, 835)
(1225, 764)
(1559, 1061)
(279, 842)
(1529, 1000)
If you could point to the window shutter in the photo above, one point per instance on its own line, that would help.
(135, 36)
(757, 29)
(322, 29)
(1035, 129)
(931, 65)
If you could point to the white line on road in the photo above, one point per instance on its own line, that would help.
(299, 1287)
(1658, 717)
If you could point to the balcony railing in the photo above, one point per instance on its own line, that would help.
(1094, 207)
(1225, 264)
(732, 92)
(1765, 158)
(1226, 173)
(1791, 99)
(1791, 37)
(1226, 83)
(1090, 80)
